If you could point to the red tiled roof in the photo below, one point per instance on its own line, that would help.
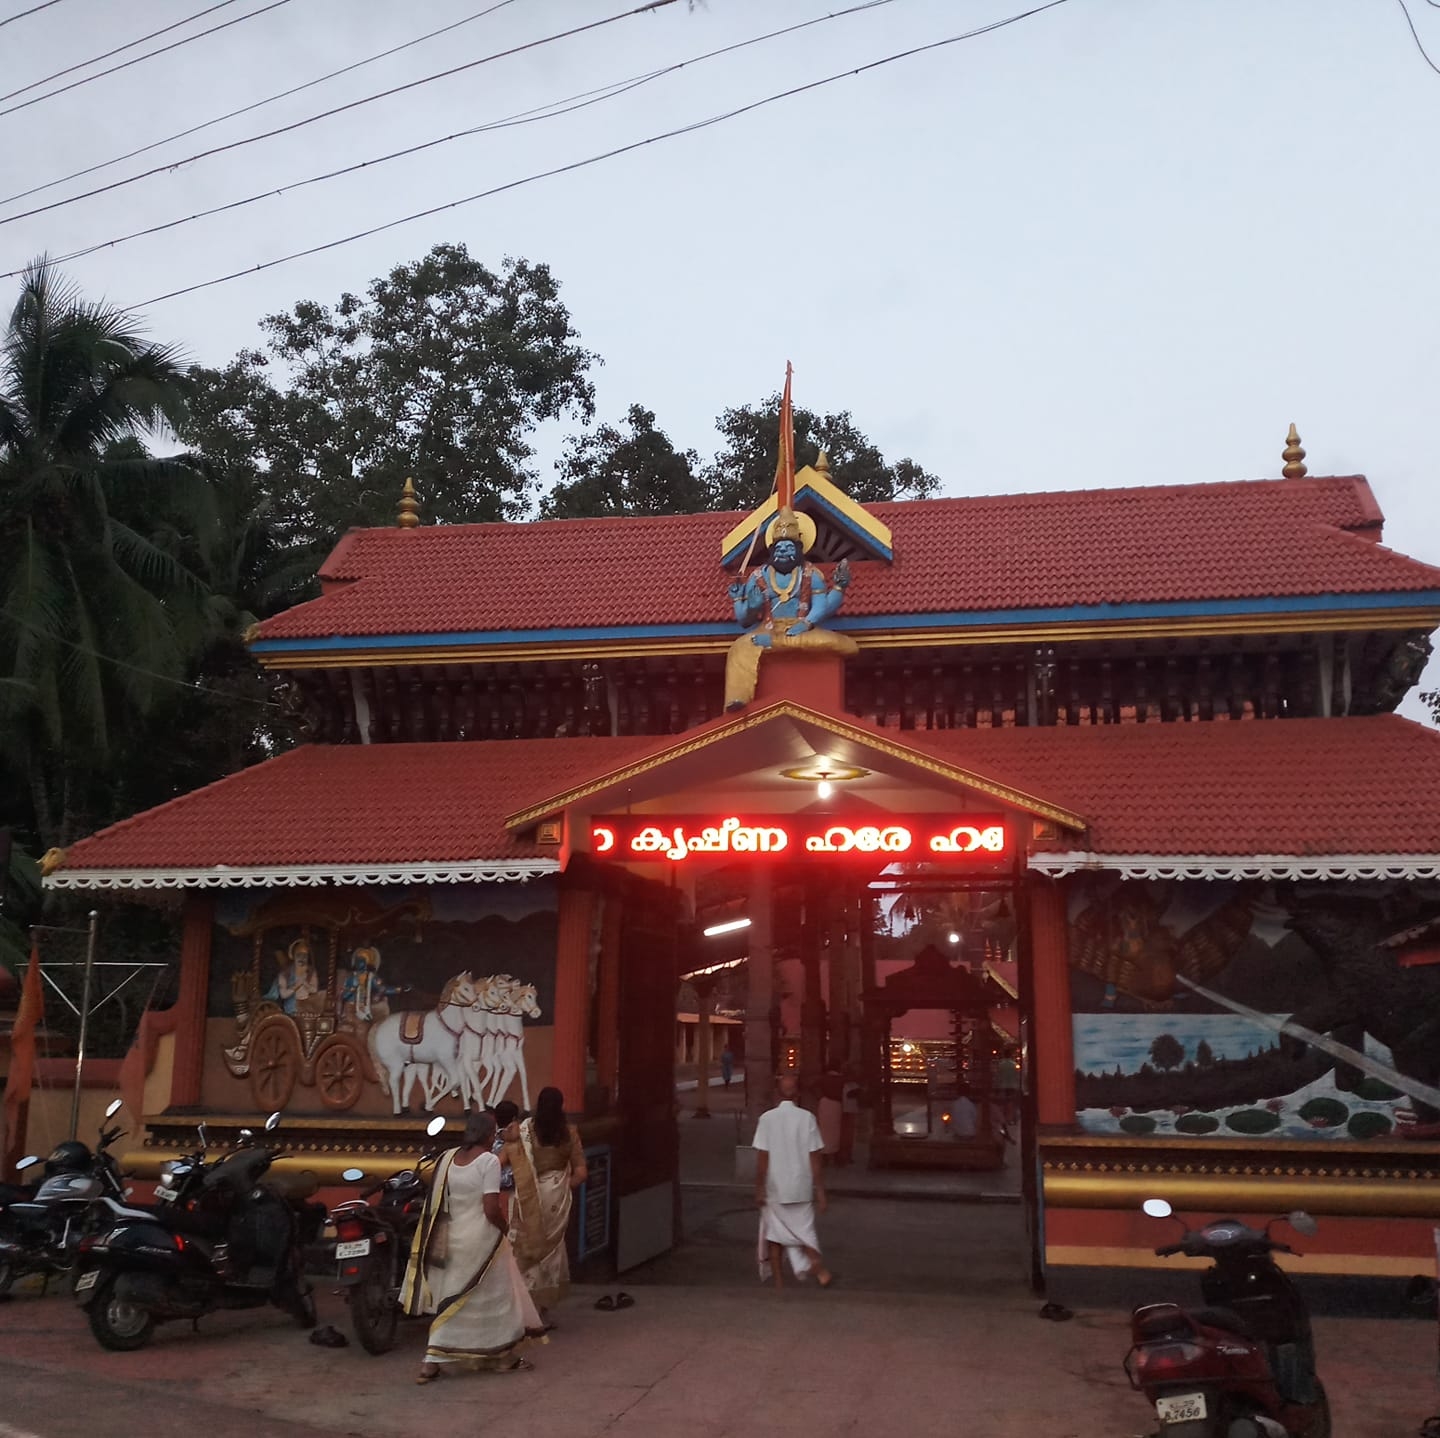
(1291, 786)
(353, 804)
(1027, 551)
(1299, 786)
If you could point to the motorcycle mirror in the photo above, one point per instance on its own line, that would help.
(1301, 1222)
(28, 1161)
(1156, 1208)
(246, 1134)
(435, 1126)
(113, 1107)
(273, 1122)
(352, 1175)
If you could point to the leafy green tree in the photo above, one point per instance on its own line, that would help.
(1166, 1052)
(609, 471)
(441, 371)
(96, 607)
(1204, 1055)
(743, 472)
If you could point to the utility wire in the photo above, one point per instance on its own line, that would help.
(597, 159)
(194, 685)
(550, 111)
(1415, 34)
(129, 45)
(34, 10)
(650, 5)
(258, 104)
(140, 59)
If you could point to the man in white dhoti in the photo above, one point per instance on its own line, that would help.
(789, 1187)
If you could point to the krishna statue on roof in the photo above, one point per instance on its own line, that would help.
(786, 603)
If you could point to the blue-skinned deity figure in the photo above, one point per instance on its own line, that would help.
(784, 605)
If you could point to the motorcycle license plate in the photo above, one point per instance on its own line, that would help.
(166, 1195)
(1180, 1407)
(358, 1249)
(86, 1280)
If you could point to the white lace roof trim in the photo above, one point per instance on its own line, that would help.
(225, 876)
(1242, 866)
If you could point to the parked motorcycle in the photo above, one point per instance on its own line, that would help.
(221, 1236)
(41, 1230)
(372, 1244)
(1244, 1365)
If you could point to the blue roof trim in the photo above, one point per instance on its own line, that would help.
(866, 540)
(959, 619)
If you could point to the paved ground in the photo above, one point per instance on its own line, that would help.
(930, 1331)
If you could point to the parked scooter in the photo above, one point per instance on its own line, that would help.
(221, 1236)
(1244, 1366)
(41, 1231)
(372, 1243)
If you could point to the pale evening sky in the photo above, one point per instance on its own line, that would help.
(1119, 242)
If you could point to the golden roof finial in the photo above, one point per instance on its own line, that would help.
(407, 513)
(822, 463)
(1293, 456)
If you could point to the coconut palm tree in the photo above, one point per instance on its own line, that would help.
(96, 605)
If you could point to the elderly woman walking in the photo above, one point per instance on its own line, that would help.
(462, 1268)
(549, 1165)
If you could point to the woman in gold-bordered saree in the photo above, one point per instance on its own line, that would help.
(462, 1268)
(546, 1176)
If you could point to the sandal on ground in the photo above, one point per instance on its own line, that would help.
(423, 1377)
(623, 1300)
(520, 1365)
(605, 1304)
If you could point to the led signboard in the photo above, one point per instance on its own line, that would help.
(929, 838)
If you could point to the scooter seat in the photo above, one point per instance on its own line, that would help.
(292, 1186)
(1225, 1318)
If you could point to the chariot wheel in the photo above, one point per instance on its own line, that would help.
(274, 1064)
(339, 1072)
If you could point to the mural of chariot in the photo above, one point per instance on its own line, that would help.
(372, 1001)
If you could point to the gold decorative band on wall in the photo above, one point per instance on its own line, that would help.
(1221, 1192)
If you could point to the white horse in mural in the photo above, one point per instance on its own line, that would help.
(508, 1047)
(425, 1048)
(492, 1051)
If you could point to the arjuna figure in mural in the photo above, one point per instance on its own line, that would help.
(784, 605)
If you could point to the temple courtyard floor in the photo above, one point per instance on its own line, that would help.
(929, 1330)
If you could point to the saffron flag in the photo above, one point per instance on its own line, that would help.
(28, 1019)
(785, 463)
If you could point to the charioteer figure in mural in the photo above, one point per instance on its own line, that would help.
(784, 605)
(364, 995)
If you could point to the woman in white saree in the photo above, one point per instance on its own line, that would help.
(549, 1165)
(462, 1268)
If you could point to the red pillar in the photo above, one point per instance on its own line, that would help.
(192, 1001)
(572, 993)
(607, 1026)
(1054, 1054)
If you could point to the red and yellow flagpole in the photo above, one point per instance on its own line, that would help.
(784, 486)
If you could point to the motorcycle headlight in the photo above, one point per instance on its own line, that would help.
(166, 1177)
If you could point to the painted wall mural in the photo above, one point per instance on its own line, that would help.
(1255, 1010)
(381, 1001)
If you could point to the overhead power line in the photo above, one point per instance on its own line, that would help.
(550, 111)
(140, 59)
(597, 159)
(649, 6)
(119, 49)
(256, 105)
(33, 10)
(1415, 34)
